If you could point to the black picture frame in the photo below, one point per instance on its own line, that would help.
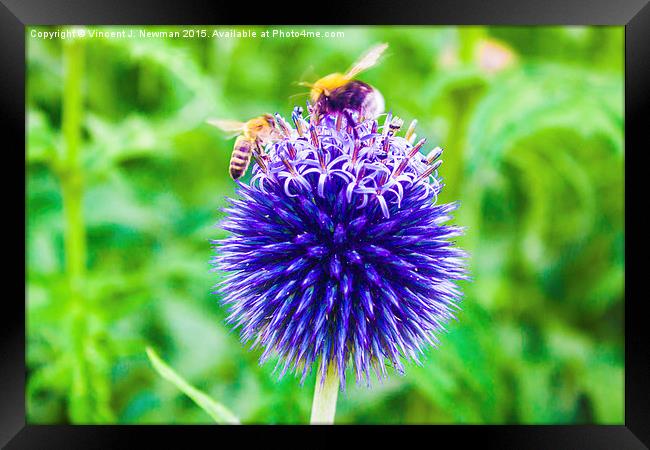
(15, 15)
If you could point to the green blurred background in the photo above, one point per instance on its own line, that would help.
(125, 181)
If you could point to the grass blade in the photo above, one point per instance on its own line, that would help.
(216, 410)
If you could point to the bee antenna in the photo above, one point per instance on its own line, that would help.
(300, 94)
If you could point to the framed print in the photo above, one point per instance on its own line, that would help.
(410, 217)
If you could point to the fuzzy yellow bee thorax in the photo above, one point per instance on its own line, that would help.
(259, 127)
(327, 84)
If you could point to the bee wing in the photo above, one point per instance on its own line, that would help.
(366, 61)
(307, 74)
(232, 127)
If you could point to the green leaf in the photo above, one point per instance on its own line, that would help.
(42, 140)
(549, 98)
(216, 410)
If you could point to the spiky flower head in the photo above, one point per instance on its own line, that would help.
(339, 253)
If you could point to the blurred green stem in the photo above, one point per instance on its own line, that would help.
(456, 142)
(75, 234)
(71, 178)
(468, 38)
(326, 391)
(464, 100)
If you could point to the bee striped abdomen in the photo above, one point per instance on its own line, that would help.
(241, 157)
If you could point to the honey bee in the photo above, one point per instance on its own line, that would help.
(251, 136)
(341, 93)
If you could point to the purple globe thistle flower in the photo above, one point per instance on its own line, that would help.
(339, 253)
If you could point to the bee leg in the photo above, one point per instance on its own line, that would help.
(260, 157)
(262, 153)
(258, 149)
(315, 111)
(350, 121)
(258, 152)
(339, 121)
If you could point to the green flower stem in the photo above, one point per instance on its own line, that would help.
(468, 38)
(71, 176)
(323, 407)
(70, 173)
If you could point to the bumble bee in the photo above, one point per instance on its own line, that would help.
(340, 92)
(250, 135)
